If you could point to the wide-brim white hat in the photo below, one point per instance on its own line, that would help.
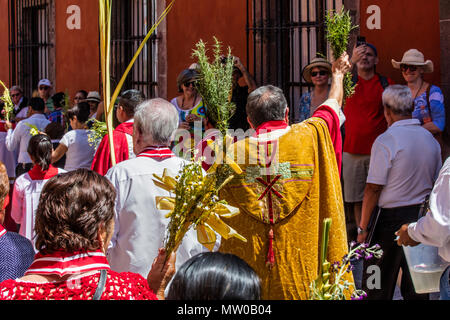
(414, 57)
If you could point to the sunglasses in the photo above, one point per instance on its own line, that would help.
(405, 67)
(44, 88)
(321, 73)
(15, 95)
(188, 84)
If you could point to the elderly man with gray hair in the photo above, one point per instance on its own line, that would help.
(139, 226)
(404, 164)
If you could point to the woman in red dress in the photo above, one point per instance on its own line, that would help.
(74, 224)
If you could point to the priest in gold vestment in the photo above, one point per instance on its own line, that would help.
(289, 185)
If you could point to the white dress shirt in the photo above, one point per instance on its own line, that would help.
(20, 136)
(25, 200)
(406, 160)
(140, 228)
(434, 228)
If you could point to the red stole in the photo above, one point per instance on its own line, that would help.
(36, 173)
(2, 231)
(157, 152)
(102, 159)
(270, 126)
(62, 263)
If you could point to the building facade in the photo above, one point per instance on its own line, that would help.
(275, 39)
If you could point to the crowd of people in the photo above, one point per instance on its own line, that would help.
(73, 226)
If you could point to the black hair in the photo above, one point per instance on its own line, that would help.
(130, 99)
(59, 99)
(215, 276)
(40, 149)
(82, 111)
(84, 92)
(37, 104)
(54, 130)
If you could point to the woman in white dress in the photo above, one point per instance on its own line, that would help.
(74, 144)
(27, 187)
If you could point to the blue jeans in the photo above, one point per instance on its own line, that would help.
(445, 284)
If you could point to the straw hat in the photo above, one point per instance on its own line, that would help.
(316, 62)
(414, 57)
(93, 96)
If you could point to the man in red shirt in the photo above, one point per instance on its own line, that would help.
(364, 123)
(122, 135)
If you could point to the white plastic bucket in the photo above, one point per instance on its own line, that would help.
(425, 266)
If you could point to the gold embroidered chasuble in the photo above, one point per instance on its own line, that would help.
(289, 185)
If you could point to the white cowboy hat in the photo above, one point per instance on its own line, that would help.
(93, 96)
(414, 57)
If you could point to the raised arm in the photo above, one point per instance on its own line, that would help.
(339, 68)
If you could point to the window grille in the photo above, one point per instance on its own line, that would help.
(131, 20)
(282, 37)
(29, 42)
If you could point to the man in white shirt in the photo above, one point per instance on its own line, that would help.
(140, 228)
(404, 164)
(20, 136)
(434, 228)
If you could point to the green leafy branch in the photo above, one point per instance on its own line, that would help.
(338, 28)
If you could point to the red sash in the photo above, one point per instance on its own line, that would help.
(36, 173)
(2, 231)
(102, 159)
(62, 263)
(270, 126)
(157, 152)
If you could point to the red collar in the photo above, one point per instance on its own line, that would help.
(36, 173)
(271, 126)
(62, 263)
(126, 127)
(2, 231)
(157, 152)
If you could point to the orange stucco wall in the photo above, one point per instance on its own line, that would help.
(405, 24)
(77, 52)
(4, 43)
(192, 20)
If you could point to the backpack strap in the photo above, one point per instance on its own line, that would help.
(428, 100)
(383, 81)
(101, 285)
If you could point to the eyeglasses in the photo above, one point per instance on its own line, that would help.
(405, 67)
(44, 88)
(188, 84)
(15, 95)
(321, 73)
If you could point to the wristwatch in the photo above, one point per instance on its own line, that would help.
(361, 230)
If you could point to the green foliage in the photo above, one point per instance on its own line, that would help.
(97, 132)
(215, 84)
(338, 28)
(8, 105)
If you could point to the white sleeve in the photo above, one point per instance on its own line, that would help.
(17, 202)
(112, 177)
(66, 139)
(12, 140)
(380, 163)
(434, 228)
